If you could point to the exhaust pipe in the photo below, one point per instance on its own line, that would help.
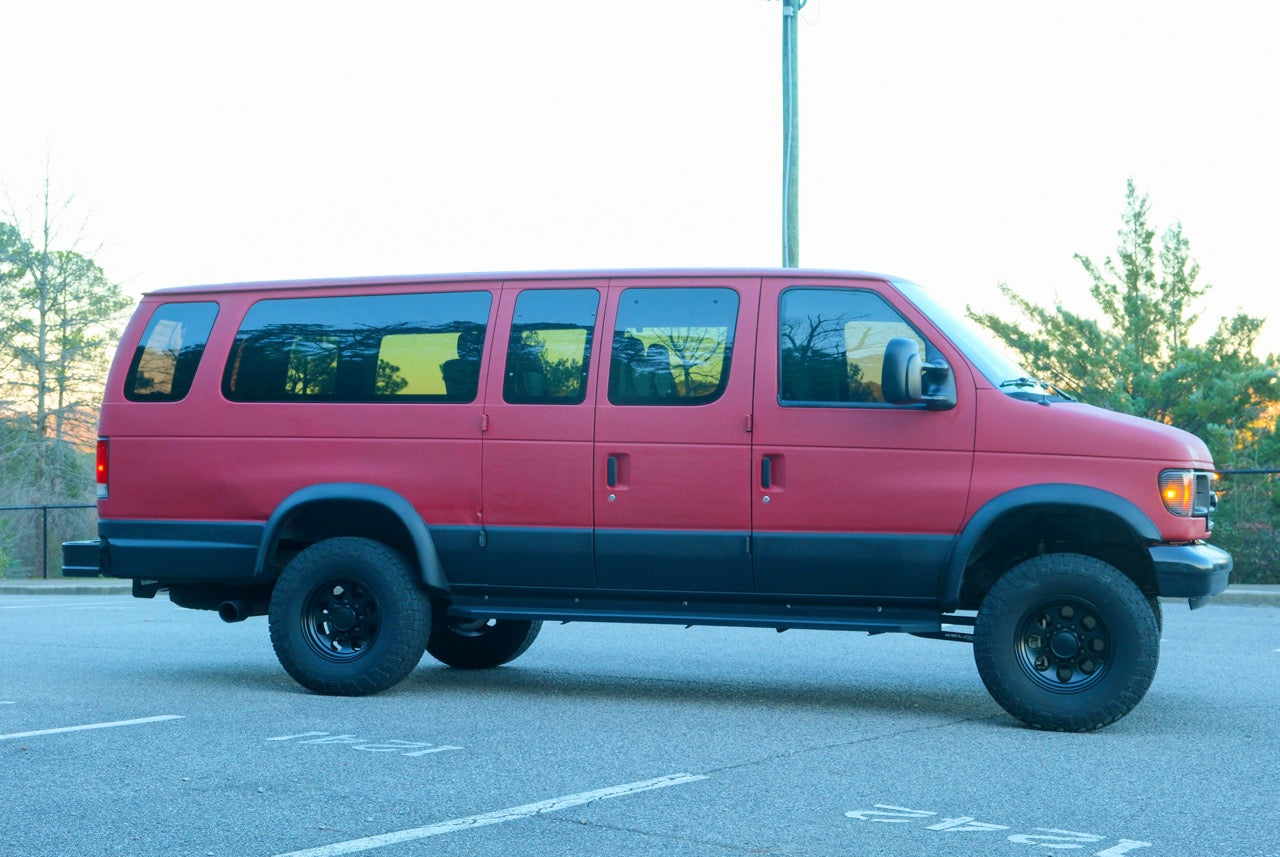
(233, 611)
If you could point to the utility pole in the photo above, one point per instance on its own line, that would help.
(790, 138)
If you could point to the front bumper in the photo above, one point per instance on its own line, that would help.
(1194, 571)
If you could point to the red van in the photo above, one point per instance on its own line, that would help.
(394, 465)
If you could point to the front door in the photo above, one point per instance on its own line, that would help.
(852, 495)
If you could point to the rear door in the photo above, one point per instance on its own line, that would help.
(539, 418)
(851, 495)
(672, 447)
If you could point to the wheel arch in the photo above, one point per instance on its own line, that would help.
(1030, 519)
(349, 509)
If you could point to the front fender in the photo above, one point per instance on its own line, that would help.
(1056, 494)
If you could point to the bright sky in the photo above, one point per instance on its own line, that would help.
(956, 144)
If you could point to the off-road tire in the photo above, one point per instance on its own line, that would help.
(347, 617)
(1066, 642)
(475, 644)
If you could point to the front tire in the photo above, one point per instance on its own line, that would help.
(1066, 642)
(347, 617)
(476, 644)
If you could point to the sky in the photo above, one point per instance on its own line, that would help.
(959, 145)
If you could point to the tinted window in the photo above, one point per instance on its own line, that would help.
(360, 349)
(831, 345)
(550, 346)
(672, 346)
(170, 349)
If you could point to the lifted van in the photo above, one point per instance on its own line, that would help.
(441, 463)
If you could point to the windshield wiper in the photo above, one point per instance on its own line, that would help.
(1024, 381)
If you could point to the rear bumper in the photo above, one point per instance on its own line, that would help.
(82, 559)
(169, 551)
(1195, 571)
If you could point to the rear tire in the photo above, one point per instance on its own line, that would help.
(476, 644)
(1066, 642)
(347, 617)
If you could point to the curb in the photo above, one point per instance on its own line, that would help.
(88, 586)
(1262, 596)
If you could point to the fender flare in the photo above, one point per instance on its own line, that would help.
(425, 548)
(1048, 494)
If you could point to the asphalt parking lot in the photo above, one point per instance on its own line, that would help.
(134, 727)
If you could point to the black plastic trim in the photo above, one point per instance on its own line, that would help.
(428, 560)
(187, 551)
(82, 559)
(679, 608)
(1050, 494)
(870, 565)
(1194, 571)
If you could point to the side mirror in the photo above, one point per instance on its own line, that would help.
(900, 377)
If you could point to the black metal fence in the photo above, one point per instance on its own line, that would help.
(31, 537)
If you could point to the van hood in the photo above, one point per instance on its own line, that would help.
(1006, 424)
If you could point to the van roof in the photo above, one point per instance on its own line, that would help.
(600, 274)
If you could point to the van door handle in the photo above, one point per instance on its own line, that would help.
(766, 472)
(611, 474)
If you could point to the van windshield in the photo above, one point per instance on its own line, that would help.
(991, 359)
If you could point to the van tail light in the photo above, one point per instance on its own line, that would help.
(101, 469)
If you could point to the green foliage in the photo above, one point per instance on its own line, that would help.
(1136, 357)
(58, 312)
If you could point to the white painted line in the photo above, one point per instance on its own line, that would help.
(515, 813)
(137, 722)
(7, 702)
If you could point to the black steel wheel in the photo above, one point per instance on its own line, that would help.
(341, 618)
(347, 617)
(1066, 642)
(1062, 644)
(479, 643)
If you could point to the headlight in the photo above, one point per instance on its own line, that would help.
(1187, 493)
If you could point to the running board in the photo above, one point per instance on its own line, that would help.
(782, 617)
(956, 621)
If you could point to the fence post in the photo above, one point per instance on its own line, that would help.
(43, 547)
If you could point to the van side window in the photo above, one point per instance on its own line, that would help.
(165, 363)
(550, 346)
(672, 346)
(375, 348)
(831, 345)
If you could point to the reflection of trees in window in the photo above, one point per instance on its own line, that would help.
(814, 358)
(672, 346)
(159, 359)
(311, 361)
(700, 354)
(357, 349)
(171, 347)
(388, 381)
(313, 368)
(547, 364)
(831, 345)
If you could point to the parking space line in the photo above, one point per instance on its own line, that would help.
(87, 726)
(514, 813)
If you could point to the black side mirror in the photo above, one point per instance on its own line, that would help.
(906, 380)
(900, 377)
